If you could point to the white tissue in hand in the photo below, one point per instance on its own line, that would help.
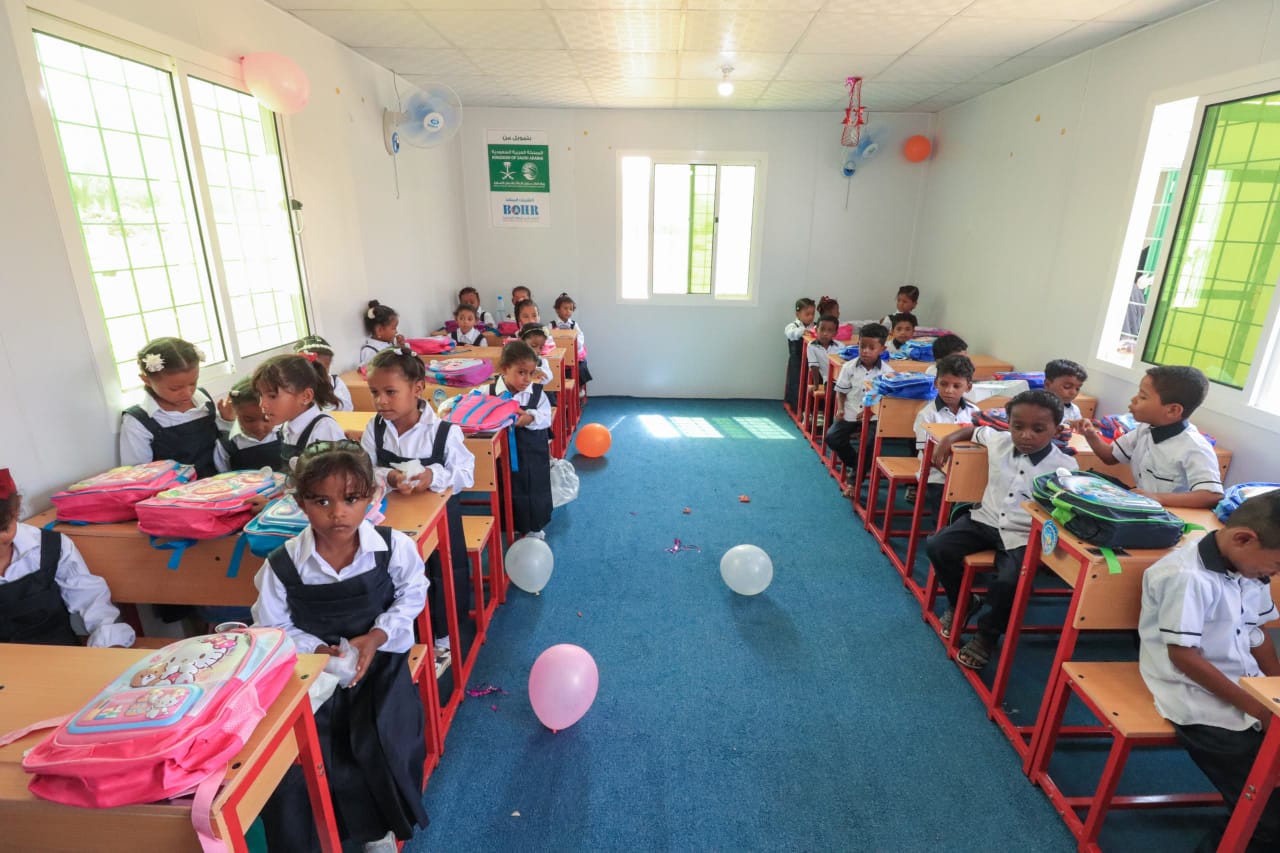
(344, 665)
(409, 469)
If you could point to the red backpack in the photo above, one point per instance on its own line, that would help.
(113, 496)
(208, 508)
(431, 346)
(477, 411)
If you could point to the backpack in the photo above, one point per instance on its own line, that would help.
(1237, 495)
(508, 328)
(430, 346)
(477, 411)
(460, 372)
(208, 508)
(283, 519)
(1105, 514)
(908, 386)
(845, 332)
(1111, 427)
(166, 726)
(918, 349)
(1034, 379)
(850, 353)
(113, 496)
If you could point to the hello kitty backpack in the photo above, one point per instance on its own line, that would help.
(167, 726)
(113, 495)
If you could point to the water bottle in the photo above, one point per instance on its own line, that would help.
(501, 316)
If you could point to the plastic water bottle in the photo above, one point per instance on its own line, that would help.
(501, 315)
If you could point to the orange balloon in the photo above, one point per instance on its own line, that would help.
(593, 440)
(917, 148)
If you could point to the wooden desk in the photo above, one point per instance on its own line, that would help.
(49, 681)
(1087, 405)
(1088, 461)
(1262, 779)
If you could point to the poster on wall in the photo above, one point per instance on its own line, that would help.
(519, 179)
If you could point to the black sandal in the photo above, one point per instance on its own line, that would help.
(975, 604)
(976, 653)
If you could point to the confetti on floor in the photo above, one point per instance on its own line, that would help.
(679, 546)
(687, 511)
(743, 499)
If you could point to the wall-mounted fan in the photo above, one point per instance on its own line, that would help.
(869, 145)
(428, 117)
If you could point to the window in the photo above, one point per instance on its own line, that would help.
(196, 245)
(689, 226)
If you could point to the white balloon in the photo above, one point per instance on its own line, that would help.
(746, 569)
(529, 563)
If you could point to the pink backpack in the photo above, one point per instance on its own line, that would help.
(508, 327)
(460, 372)
(481, 412)
(168, 725)
(112, 496)
(208, 508)
(430, 346)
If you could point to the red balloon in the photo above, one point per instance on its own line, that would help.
(916, 148)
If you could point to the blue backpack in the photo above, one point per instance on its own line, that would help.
(908, 386)
(1237, 495)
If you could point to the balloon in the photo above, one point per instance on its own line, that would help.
(562, 685)
(746, 569)
(529, 563)
(593, 440)
(276, 81)
(916, 148)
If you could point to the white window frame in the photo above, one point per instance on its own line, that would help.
(758, 159)
(91, 27)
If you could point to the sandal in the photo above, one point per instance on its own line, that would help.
(849, 491)
(975, 604)
(976, 653)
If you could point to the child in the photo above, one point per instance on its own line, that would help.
(944, 346)
(405, 429)
(851, 385)
(471, 296)
(1203, 606)
(43, 580)
(908, 299)
(176, 419)
(820, 347)
(953, 380)
(291, 390)
(531, 485)
(323, 352)
(536, 337)
(519, 294)
(344, 578)
(251, 444)
(381, 329)
(467, 335)
(565, 306)
(999, 522)
(1172, 462)
(1064, 379)
(527, 312)
(794, 333)
(902, 327)
(828, 307)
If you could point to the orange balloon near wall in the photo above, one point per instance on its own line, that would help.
(593, 440)
(917, 148)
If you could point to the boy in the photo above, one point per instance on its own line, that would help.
(820, 347)
(519, 294)
(903, 327)
(1202, 608)
(794, 333)
(1064, 379)
(1000, 522)
(1172, 462)
(954, 380)
(851, 385)
(944, 346)
(908, 298)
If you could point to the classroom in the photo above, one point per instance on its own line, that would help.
(480, 302)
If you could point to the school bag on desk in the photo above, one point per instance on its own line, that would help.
(918, 349)
(460, 372)
(283, 519)
(208, 508)
(431, 346)
(167, 726)
(906, 386)
(114, 495)
(1238, 494)
(1034, 379)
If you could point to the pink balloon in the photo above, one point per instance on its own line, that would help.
(276, 81)
(562, 685)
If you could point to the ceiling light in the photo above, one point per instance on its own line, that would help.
(725, 86)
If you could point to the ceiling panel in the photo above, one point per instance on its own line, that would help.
(408, 61)
(746, 66)
(913, 68)
(359, 28)
(631, 30)
(762, 32)
(1074, 10)
(606, 63)
(632, 88)
(833, 66)
(519, 30)
(1083, 38)
(1012, 69)
(535, 63)
(851, 33)
(743, 90)
(961, 36)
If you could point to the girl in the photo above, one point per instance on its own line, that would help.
(251, 443)
(519, 294)
(291, 389)
(381, 329)
(527, 312)
(794, 332)
(471, 296)
(531, 485)
(828, 307)
(176, 419)
(323, 352)
(536, 337)
(405, 429)
(467, 335)
(43, 580)
(565, 306)
(344, 578)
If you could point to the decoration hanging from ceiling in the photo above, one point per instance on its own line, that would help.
(855, 115)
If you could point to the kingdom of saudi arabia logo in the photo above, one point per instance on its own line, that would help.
(530, 171)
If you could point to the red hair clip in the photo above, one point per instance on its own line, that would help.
(8, 488)
(309, 356)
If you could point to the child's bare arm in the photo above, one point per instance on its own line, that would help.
(1101, 449)
(838, 414)
(1187, 500)
(943, 451)
(1193, 664)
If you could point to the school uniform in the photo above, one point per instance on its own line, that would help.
(148, 432)
(1070, 412)
(938, 412)
(1000, 522)
(240, 452)
(371, 735)
(581, 343)
(544, 371)
(306, 429)
(1171, 458)
(473, 338)
(46, 581)
(843, 435)
(1193, 598)
(794, 333)
(895, 347)
(371, 347)
(441, 449)
(817, 356)
(531, 483)
(343, 393)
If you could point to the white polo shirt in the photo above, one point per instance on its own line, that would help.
(937, 412)
(1192, 597)
(794, 330)
(1171, 458)
(854, 381)
(817, 355)
(1070, 412)
(1009, 476)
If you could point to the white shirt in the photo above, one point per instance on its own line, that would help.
(1009, 476)
(489, 320)
(222, 461)
(326, 430)
(794, 330)
(343, 393)
(271, 610)
(895, 347)
(371, 347)
(135, 439)
(854, 381)
(817, 355)
(1171, 458)
(459, 469)
(84, 593)
(1191, 598)
(544, 371)
(1070, 412)
(937, 412)
(473, 338)
(541, 415)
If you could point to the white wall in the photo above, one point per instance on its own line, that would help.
(811, 244)
(1029, 197)
(359, 241)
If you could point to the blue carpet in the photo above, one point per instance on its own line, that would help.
(820, 715)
